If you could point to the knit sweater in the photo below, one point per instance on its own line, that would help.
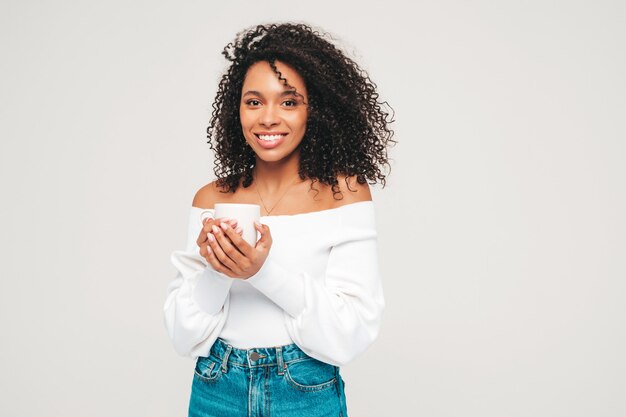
(320, 288)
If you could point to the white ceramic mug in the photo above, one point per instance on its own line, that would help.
(245, 214)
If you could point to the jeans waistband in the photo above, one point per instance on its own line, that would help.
(259, 356)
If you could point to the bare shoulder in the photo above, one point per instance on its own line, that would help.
(352, 191)
(206, 196)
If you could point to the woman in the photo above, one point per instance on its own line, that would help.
(270, 325)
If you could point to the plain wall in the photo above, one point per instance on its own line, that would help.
(502, 233)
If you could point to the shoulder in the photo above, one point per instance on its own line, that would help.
(357, 220)
(352, 191)
(206, 196)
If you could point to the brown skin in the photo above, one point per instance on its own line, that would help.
(274, 108)
(275, 169)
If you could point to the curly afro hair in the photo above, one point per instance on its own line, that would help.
(347, 131)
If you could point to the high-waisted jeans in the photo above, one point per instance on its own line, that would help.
(280, 381)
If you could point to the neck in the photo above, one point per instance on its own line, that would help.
(274, 176)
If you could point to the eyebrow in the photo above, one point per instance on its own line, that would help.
(284, 93)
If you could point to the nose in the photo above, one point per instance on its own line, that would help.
(269, 116)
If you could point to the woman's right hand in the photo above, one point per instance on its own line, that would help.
(207, 227)
(229, 253)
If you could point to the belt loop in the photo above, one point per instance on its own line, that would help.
(281, 364)
(225, 359)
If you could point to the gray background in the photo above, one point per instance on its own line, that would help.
(501, 231)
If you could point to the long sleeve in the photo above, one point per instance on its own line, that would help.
(197, 299)
(333, 317)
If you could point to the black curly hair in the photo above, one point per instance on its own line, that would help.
(346, 132)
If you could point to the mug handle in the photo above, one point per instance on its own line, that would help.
(211, 213)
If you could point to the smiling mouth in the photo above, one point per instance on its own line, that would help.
(270, 138)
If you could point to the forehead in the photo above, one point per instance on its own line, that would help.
(262, 78)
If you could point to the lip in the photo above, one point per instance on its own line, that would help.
(270, 144)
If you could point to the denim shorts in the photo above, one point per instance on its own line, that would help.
(280, 381)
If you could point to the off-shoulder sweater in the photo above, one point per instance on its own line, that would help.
(320, 288)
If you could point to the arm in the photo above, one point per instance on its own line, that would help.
(337, 316)
(196, 304)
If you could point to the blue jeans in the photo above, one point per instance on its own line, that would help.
(280, 381)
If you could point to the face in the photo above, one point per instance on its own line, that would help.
(273, 117)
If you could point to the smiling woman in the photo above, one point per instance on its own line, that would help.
(283, 315)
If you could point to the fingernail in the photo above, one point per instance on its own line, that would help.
(239, 229)
(233, 222)
(208, 249)
(257, 223)
(215, 228)
(211, 237)
(224, 226)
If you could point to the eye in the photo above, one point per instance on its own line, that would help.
(249, 102)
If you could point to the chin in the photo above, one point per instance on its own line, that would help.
(270, 156)
(276, 154)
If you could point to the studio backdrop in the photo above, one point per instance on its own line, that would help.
(501, 230)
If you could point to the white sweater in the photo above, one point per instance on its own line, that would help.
(320, 288)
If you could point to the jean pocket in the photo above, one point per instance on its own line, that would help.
(310, 374)
(207, 369)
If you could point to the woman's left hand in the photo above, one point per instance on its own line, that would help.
(231, 255)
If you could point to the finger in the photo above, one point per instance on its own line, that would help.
(206, 228)
(202, 237)
(209, 255)
(209, 222)
(266, 237)
(223, 249)
(238, 242)
(227, 245)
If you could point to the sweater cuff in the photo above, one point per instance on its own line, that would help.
(283, 287)
(211, 290)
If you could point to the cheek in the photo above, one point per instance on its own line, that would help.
(298, 121)
(245, 118)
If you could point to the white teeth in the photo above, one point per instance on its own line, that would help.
(272, 137)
